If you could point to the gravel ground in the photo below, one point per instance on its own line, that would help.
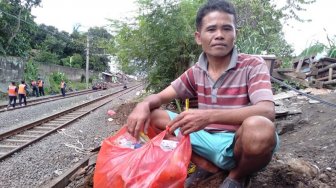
(19, 117)
(38, 164)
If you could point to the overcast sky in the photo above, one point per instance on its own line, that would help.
(65, 14)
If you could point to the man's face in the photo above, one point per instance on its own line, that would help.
(217, 34)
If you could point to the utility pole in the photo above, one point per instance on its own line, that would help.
(87, 61)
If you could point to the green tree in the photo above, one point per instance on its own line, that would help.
(16, 26)
(77, 44)
(76, 61)
(160, 42)
(53, 45)
(313, 50)
(260, 29)
(100, 40)
(319, 48)
(162, 45)
(47, 57)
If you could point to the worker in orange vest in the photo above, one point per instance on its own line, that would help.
(34, 87)
(22, 93)
(12, 92)
(40, 85)
(63, 86)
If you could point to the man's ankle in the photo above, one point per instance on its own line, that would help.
(204, 164)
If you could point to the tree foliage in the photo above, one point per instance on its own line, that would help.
(159, 43)
(260, 29)
(291, 9)
(328, 50)
(21, 36)
(16, 26)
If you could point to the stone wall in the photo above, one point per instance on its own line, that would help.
(12, 69)
(72, 74)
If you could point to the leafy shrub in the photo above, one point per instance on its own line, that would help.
(30, 71)
(55, 79)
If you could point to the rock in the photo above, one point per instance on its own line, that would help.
(58, 172)
(285, 127)
(324, 178)
(303, 167)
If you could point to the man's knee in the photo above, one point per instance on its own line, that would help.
(257, 136)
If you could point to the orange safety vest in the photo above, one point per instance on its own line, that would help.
(11, 90)
(40, 83)
(62, 84)
(22, 89)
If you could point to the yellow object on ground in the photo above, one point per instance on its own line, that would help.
(191, 168)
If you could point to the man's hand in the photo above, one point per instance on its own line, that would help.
(190, 121)
(139, 119)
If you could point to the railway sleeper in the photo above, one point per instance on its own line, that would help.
(67, 118)
(8, 146)
(16, 140)
(50, 124)
(44, 128)
(25, 136)
(70, 116)
(78, 112)
(36, 132)
(56, 120)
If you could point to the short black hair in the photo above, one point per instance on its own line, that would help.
(22, 82)
(214, 5)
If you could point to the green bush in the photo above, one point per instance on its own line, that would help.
(30, 71)
(76, 86)
(55, 79)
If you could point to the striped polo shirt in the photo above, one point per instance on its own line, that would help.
(245, 82)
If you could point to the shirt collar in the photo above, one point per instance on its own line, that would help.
(203, 61)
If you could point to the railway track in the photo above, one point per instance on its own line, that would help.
(19, 138)
(41, 100)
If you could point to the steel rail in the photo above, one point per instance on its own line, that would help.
(4, 108)
(19, 138)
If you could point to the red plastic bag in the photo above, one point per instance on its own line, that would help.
(149, 166)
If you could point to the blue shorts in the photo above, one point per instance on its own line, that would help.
(215, 147)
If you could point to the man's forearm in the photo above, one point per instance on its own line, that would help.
(153, 101)
(237, 116)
